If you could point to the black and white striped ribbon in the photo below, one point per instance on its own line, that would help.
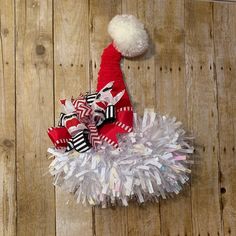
(90, 98)
(61, 119)
(79, 142)
(110, 114)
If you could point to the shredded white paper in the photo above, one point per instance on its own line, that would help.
(151, 162)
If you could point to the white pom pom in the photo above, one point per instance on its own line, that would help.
(129, 35)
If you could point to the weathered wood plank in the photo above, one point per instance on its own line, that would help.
(140, 80)
(203, 117)
(202, 95)
(34, 114)
(71, 58)
(110, 221)
(7, 120)
(171, 99)
(107, 221)
(225, 61)
(139, 72)
(101, 12)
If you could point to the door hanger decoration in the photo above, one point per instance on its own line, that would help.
(103, 152)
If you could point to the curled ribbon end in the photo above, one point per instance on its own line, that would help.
(84, 118)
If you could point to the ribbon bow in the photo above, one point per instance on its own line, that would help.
(81, 118)
(103, 104)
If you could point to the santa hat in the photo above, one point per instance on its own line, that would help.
(129, 40)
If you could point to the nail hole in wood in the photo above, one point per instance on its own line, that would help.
(210, 67)
(208, 234)
(212, 114)
(224, 149)
(200, 67)
(95, 66)
(213, 148)
(128, 67)
(179, 68)
(7, 143)
(230, 68)
(60, 65)
(170, 69)
(7, 62)
(229, 231)
(138, 67)
(40, 49)
(233, 149)
(191, 67)
(81, 65)
(221, 67)
(71, 65)
(204, 149)
(160, 68)
(5, 32)
(222, 190)
(148, 67)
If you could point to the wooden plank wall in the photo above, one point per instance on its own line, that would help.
(51, 49)
(34, 106)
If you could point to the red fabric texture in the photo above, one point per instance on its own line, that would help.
(110, 71)
(59, 136)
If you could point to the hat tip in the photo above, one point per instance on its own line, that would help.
(129, 35)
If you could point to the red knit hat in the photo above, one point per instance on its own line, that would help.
(91, 118)
(129, 39)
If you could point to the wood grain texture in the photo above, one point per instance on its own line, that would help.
(7, 120)
(171, 96)
(224, 33)
(106, 221)
(140, 80)
(100, 13)
(71, 59)
(50, 49)
(34, 114)
(203, 117)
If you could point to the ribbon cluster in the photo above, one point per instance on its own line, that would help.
(78, 124)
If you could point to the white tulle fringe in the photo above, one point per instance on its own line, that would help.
(151, 162)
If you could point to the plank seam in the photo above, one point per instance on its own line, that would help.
(218, 123)
(16, 172)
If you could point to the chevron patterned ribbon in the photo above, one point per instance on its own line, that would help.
(93, 136)
(83, 110)
(81, 118)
